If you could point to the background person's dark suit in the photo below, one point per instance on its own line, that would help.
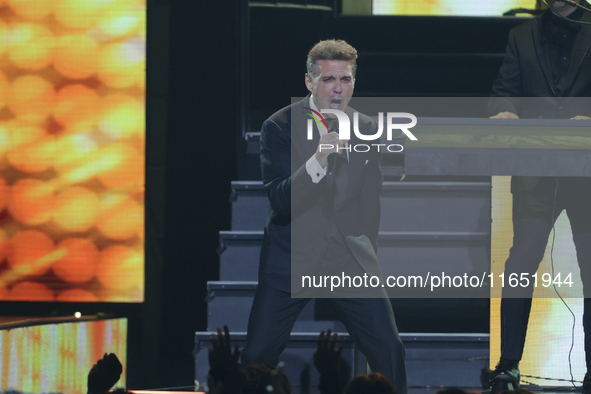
(308, 229)
(549, 59)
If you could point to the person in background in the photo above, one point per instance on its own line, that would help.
(547, 57)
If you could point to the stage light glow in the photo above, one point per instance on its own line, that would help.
(76, 209)
(4, 139)
(31, 98)
(77, 107)
(79, 263)
(33, 157)
(123, 166)
(3, 35)
(4, 196)
(123, 117)
(30, 291)
(30, 46)
(72, 130)
(4, 247)
(4, 89)
(73, 151)
(121, 218)
(76, 295)
(120, 63)
(31, 252)
(32, 9)
(21, 133)
(115, 165)
(122, 19)
(31, 201)
(448, 7)
(76, 56)
(77, 315)
(77, 14)
(119, 268)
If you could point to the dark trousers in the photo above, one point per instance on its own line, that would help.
(369, 321)
(534, 213)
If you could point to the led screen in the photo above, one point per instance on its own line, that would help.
(56, 358)
(549, 334)
(72, 150)
(449, 7)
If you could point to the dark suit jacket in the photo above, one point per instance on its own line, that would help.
(525, 86)
(298, 204)
(526, 72)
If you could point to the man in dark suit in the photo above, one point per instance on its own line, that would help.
(323, 219)
(547, 58)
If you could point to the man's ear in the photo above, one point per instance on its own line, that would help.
(308, 82)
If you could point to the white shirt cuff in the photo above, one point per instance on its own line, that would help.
(314, 169)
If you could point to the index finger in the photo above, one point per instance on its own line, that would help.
(220, 336)
(332, 341)
(227, 335)
(320, 339)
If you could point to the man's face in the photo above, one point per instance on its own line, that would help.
(333, 85)
(562, 8)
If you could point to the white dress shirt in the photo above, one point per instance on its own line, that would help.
(313, 167)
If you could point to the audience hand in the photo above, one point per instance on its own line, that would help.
(225, 374)
(326, 358)
(104, 374)
(220, 355)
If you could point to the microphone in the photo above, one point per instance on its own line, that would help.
(331, 167)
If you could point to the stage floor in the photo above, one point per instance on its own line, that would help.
(425, 390)
(535, 389)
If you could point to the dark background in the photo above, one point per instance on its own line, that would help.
(216, 70)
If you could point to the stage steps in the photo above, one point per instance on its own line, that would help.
(424, 226)
(406, 206)
(234, 298)
(399, 253)
(433, 360)
(422, 221)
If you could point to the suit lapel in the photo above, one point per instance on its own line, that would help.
(304, 147)
(542, 53)
(580, 50)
